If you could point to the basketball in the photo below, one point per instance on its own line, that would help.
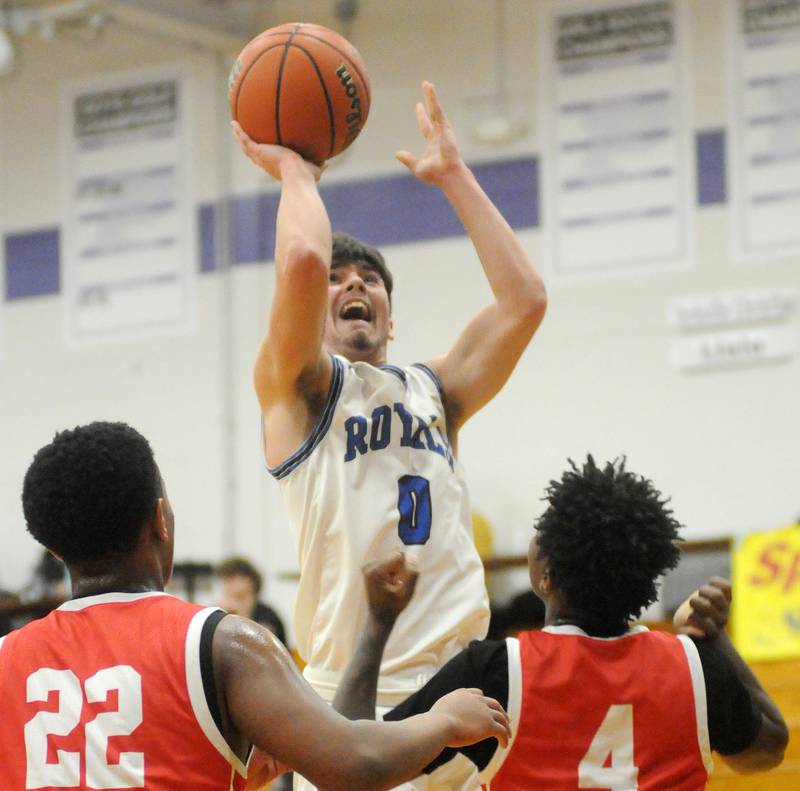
(302, 86)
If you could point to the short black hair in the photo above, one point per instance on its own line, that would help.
(241, 567)
(88, 493)
(347, 250)
(607, 535)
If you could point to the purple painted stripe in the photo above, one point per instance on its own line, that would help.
(32, 264)
(206, 237)
(711, 176)
(381, 211)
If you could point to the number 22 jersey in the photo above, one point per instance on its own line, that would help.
(107, 692)
(376, 475)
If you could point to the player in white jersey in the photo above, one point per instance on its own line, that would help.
(364, 452)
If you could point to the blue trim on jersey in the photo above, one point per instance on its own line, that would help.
(394, 369)
(433, 375)
(320, 430)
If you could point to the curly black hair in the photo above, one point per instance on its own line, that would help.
(607, 536)
(88, 493)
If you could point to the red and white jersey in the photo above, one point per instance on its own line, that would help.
(622, 713)
(107, 692)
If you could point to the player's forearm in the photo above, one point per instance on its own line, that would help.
(302, 225)
(394, 752)
(768, 749)
(514, 281)
(356, 694)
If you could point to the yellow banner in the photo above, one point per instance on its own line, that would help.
(766, 603)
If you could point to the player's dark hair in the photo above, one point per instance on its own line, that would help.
(347, 250)
(88, 493)
(241, 567)
(607, 536)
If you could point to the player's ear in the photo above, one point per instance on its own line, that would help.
(160, 522)
(391, 329)
(546, 583)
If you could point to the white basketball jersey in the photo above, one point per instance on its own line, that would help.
(377, 474)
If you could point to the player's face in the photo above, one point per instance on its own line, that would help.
(537, 566)
(359, 324)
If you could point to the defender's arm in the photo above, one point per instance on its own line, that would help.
(267, 701)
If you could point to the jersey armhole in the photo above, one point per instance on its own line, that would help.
(434, 377)
(513, 709)
(700, 701)
(319, 431)
(203, 702)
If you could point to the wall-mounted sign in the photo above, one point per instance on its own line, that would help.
(765, 126)
(618, 177)
(733, 347)
(733, 307)
(128, 248)
(766, 607)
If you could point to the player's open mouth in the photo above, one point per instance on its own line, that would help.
(355, 309)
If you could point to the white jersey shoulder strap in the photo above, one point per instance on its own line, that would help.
(514, 707)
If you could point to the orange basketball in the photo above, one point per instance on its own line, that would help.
(302, 86)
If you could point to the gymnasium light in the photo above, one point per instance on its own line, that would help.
(6, 52)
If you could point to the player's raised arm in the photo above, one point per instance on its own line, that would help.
(292, 345)
(390, 585)
(265, 700)
(485, 354)
(704, 615)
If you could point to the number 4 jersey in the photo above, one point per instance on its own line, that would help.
(108, 692)
(621, 713)
(376, 475)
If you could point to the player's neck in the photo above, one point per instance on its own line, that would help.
(565, 616)
(130, 579)
(373, 356)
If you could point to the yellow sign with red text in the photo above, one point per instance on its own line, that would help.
(766, 602)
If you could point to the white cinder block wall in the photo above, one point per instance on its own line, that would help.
(597, 378)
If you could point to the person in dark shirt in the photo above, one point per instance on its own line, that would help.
(595, 703)
(241, 586)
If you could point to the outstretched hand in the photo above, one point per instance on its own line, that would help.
(474, 717)
(390, 585)
(705, 612)
(441, 155)
(271, 158)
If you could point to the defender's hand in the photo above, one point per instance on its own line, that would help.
(272, 159)
(474, 717)
(441, 156)
(705, 612)
(390, 585)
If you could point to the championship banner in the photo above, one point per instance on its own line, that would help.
(766, 606)
(128, 246)
(619, 175)
(764, 126)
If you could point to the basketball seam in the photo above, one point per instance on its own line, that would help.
(247, 71)
(345, 56)
(331, 117)
(286, 45)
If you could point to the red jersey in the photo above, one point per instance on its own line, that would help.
(621, 713)
(107, 692)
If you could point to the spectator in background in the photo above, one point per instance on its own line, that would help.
(241, 584)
